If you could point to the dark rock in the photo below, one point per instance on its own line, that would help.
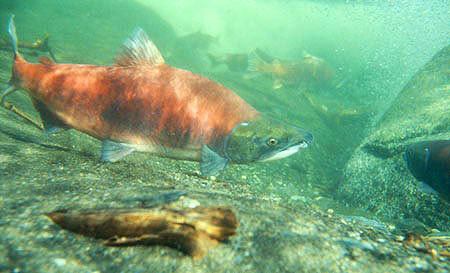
(377, 178)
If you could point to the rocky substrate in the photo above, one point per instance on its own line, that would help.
(376, 177)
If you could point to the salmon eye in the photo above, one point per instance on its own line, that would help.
(272, 141)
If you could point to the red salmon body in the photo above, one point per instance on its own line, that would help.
(142, 104)
(138, 102)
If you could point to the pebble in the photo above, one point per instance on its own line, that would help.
(298, 198)
(190, 203)
(59, 261)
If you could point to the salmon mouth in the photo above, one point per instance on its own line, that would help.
(284, 153)
(289, 149)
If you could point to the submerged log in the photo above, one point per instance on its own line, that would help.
(192, 231)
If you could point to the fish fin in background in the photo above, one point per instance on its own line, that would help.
(139, 50)
(46, 60)
(263, 55)
(114, 151)
(255, 62)
(214, 60)
(52, 124)
(211, 163)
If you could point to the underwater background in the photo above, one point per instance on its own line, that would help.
(378, 80)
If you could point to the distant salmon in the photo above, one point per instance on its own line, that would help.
(310, 70)
(142, 104)
(234, 62)
(429, 162)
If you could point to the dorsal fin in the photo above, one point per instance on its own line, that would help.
(139, 50)
(45, 60)
(276, 61)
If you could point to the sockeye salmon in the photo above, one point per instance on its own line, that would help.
(310, 71)
(429, 162)
(142, 104)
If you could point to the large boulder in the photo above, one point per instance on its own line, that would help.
(377, 177)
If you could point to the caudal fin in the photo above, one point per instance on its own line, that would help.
(255, 62)
(13, 35)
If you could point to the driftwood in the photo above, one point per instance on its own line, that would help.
(191, 230)
(21, 114)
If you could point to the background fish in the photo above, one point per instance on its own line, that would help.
(142, 104)
(234, 62)
(189, 51)
(429, 162)
(310, 71)
(238, 62)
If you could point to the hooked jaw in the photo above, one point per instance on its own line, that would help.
(284, 153)
(292, 147)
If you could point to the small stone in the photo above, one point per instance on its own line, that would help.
(59, 261)
(298, 198)
(190, 203)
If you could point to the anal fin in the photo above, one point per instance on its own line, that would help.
(52, 124)
(114, 151)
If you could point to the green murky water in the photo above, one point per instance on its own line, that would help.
(354, 58)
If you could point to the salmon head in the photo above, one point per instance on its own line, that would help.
(259, 140)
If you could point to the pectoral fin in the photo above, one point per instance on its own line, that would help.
(212, 163)
(5, 92)
(113, 151)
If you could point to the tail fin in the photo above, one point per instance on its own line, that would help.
(255, 62)
(13, 35)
